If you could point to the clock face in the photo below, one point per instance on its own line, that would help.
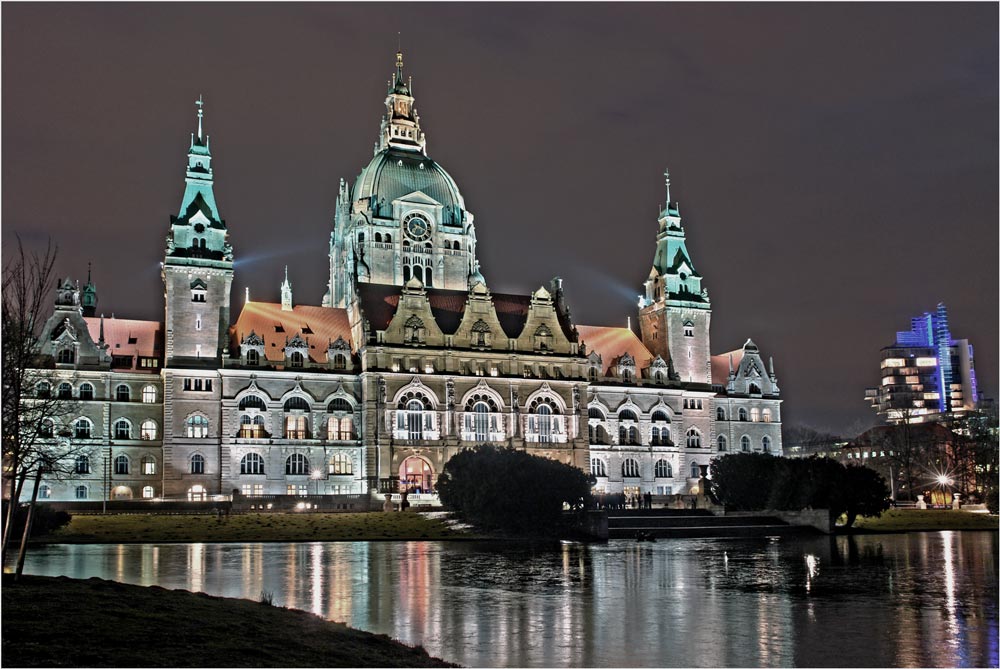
(417, 227)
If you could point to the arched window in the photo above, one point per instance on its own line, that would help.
(753, 389)
(755, 415)
(406, 268)
(46, 428)
(149, 394)
(82, 428)
(592, 373)
(722, 442)
(481, 421)
(45, 491)
(388, 238)
(148, 464)
(720, 414)
(147, 430)
(338, 404)
(745, 443)
(742, 414)
(660, 435)
(252, 463)
(664, 470)
(695, 470)
(122, 393)
(594, 412)
(295, 359)
(253, 357)
(86, 391)
(339, 361)
(766, 444)
(81, 492)
(378, 237)
(628, 435)
(341, 463)
(82, 464)
(43, 390)
(418, 273)
(252, 427)
(121, 464)
(296, 404)
(429, 278)
(67, 356)
(597, 467)
(253, 402)
(693, 438)
(341, 429)
(147, 491)
(413, 419)
(660, 416)
(766, 415)
(627, 414)
(295, 427)
(65, 391)
(123, 429)
(630, 468)
(197, 463)
(296, 464)
(197, 427)
(544, 422)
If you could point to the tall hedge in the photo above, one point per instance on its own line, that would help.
(508, 489)
(756, 481)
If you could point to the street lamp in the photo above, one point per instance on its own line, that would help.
(316, 476)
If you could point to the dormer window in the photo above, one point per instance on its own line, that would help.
(67, 356)
(253, 358)
(295, 359)
(543, 338)
(199, 290)
(481, 334)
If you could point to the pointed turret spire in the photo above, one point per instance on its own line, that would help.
(401, 124)
(201, 103)
(88, 297)
(666, 177)
(286, 293)
(198, 193)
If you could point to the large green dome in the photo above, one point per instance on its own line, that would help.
(394, 173)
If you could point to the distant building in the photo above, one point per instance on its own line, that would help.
(926, 375)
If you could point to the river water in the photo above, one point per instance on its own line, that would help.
(919, 599)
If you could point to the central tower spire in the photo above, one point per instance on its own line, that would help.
(401, 123)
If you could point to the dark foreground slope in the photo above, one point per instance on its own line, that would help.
(97, 623)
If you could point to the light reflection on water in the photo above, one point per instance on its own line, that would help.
(922, 599)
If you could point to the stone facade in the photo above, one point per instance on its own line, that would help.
(411, 358)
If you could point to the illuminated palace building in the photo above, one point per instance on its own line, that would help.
(926, 375)
(410, 358)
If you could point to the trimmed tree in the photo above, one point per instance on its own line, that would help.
(508, 489)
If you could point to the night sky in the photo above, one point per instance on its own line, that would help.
(836, 165)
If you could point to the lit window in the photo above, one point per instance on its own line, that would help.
(148, 465)
(149, 395)
(766, 415)
(147, 430)
(197, 426)
(148, 492)
(755, 415)
(341, 463)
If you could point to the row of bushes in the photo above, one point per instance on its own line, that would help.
(757, 481)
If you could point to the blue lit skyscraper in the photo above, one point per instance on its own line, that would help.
(926, 375)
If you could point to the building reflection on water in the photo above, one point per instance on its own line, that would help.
(922, 599)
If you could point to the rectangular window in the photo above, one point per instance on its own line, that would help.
(187, 384)
(298, 490)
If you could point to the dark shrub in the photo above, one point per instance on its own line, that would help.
(503, 488)
(46, 520)
(743, 481)
(992, 501)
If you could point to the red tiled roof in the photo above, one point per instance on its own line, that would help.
(611, 343)
(317, 325)
(125, 336)
(720, 365)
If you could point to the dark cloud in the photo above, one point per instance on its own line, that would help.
(836, 164)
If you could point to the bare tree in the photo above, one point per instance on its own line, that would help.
(33, 407)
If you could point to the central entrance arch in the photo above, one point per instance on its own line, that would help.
(416, 473)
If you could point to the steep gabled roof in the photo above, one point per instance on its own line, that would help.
(611, 343)
(720, 365)
(379, 304)
(125, 336)
(317, 325)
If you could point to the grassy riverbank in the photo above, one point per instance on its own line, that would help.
(917, 520)
(62, 622)
(150, 528)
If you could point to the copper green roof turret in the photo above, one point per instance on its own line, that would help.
(89, 297)
(198, 193)
(401, 124)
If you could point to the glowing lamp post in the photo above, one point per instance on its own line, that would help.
(316, 476)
